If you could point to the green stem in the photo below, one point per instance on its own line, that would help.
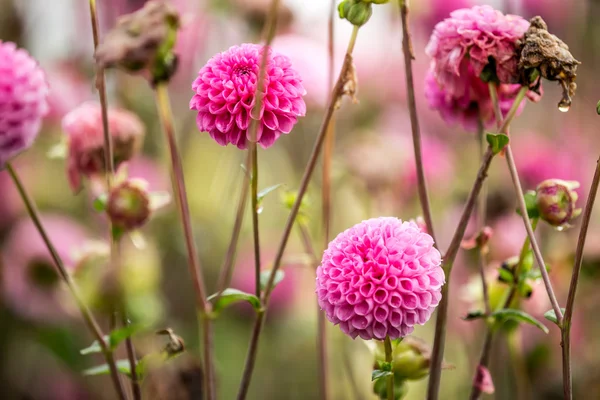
(255, 230)
(166, 116)
(83, 308)
(388, 358)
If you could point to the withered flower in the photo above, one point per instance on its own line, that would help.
(543, 54)
(143, 42)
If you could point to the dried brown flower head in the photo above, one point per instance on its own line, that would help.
(143, 41)
(544, 53)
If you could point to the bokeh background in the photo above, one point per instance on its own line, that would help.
(41, 332)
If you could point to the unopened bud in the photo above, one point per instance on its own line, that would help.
(357, 12)
(556, 201)
(480, 241)
(128, 204)
(410, 358)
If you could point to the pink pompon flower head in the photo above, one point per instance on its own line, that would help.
(23, 100)
(480, 36)
(85, 140)
(225, 96)
(380, 278)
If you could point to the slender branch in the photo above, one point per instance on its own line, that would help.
(481, 218)
(310, 167)
(387, 343)
(135, 383)
(255, 231)
(414, 119)
(483, 362)
(566, 325)
(166, 117)
(83, 308)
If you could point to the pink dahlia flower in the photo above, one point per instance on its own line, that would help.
(473, 102)
(380, 278)
(475, 35)
(85, 140)
(225, 96)
(23, 100)
(31, 285)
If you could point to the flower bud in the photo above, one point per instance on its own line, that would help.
(556, 202)
(128, 204)
(358, 12)
(410, 358)
(143, 42)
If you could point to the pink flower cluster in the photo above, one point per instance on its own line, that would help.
(225, 96)
(462, 46)
(85, 139)
(23, 100)
(380, 278)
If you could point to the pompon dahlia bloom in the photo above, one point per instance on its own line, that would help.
(23, 100)
(31, 285)
(473, 103)
(380, 278)
(85, 140)
(473, 36)
(225, 96)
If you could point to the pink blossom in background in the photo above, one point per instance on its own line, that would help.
(475, 34)
(68, 89)
(10, 202)
(285, 293)
(225, 96)
(434, 11)
(147, 169)
(509, 234)
(30, 282)
(85, 140)
(380, 278)
(438, 164)
(23, 100)
(310, 59)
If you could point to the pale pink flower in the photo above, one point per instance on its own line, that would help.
(475, 34)
(23, 100)
(31, 284)
(437, 10)
(69, 88)
(225, 96)
(380, 278)
(85, 140)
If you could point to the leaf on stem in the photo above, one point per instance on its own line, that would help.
(122, 366)
(550, 315)
(113, 339)
(497, 141)
(518, 316)
(378, 374)
(265, 275)
(531, 204)
(472, 315)
(231, 296)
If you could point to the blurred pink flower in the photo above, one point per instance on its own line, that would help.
(23, 100)
(10, 205)
(225, 96)
(145, 168)
(68, 89)
(475, 34)
(284, 294)
(380, 278)
(509, 234)
(310, 59)
(85, 140)
(437, 10)
(31, 285)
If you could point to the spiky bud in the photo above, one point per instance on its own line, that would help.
(556, 202)
(128, 204)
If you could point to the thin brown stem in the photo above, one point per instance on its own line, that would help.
(484, 361)
(387, 343)
(414, 119)
(135, 383)
(310, 167)
(83, 308)
(481, 219)
(166, 117)
(566, 325)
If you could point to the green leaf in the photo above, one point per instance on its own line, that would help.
(231, 296)
(378, 374)
(93, 348)
(519, 316)
(550, 315)
(497, 141)
(122, 366)
(505, 275)
(531, 203)
(474, 315)
(263, 193)
(265, 275)
(100, 202)
(113, 339)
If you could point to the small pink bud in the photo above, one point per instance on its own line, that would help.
(480, 241)
(128, 204)
(556, 202)
(483, 380)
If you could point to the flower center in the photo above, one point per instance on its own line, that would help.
(242, 70)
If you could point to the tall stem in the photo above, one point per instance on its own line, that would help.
(481, 217)
(566, 325)
(387, 343)
(414, 119)
(310, 167)
(255, 231)
(484, 361)
(83, 308)
(166, 117)
(437, 354)
(135, 383)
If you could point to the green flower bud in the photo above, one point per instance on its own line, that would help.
(556, 201)
(400, 389)
(356, 11)
(410, 358)
(128, 205)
